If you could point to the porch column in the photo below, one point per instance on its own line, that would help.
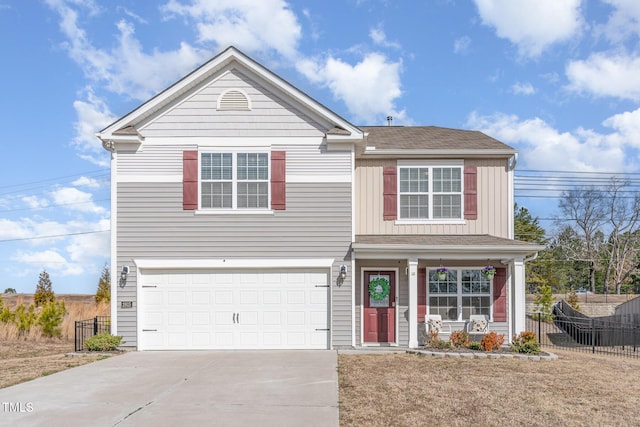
(519, 304)
(413, 302)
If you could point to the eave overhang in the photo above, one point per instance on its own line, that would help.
(443, 153)
(502, 249)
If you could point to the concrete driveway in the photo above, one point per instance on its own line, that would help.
(226, 388)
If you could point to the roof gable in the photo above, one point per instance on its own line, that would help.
(228, 59)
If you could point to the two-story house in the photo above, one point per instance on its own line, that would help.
(245, 214)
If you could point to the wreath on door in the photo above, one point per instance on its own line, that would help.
(379, 288)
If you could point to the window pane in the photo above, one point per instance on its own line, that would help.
(252, 166)
(216, 195)
(444, 306)
(414, 180)
(447, 206)
(414, 206)
(216, 166)
(475, 305)
(252, 195)
(447, 180)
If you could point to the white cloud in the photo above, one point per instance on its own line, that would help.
(35, 202)
(627, 127)
(254, 26)
(93, 115)
(523, 88)
(49, 260)
(380, 38)
(125, 69)
(84, 181)
(76, 200)
(10, 230)
(368, 88)
(532, 25)
(543, 147)
(624, 21)
(86, 248)
(603, 75)
(461, 45)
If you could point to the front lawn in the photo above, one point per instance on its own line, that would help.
(409, 390)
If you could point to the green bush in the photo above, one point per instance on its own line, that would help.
(6, 316)
(526, 342)
(103, 342)
(474, 345)
(51, 318)
(25, 318)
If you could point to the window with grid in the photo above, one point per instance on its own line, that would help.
(430, 192)
(234, 180)
(464, 292)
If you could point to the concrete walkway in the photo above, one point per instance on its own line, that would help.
(225, 388)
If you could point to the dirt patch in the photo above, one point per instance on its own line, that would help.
(24, 360)
(401, 389)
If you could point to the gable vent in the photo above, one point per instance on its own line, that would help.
(234, 99)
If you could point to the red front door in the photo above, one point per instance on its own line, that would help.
(380, 306)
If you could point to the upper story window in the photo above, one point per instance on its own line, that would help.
(234, 180)
(430, 192)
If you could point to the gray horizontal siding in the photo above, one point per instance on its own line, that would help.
(153, 160)
(316, 224)
(270, 115)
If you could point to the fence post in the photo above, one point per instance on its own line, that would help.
(95, 325)
(593, 335)
(539, 328)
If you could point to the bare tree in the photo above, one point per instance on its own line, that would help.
(587, 208)
(622, 246)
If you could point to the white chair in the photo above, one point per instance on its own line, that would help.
(478, 324)
(434, 322)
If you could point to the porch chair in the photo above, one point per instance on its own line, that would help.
(434, 322)
(478, 323)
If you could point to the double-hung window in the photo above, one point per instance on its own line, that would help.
(430, 191)
(234, 180)
(462, 293)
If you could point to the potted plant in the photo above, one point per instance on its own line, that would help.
(488, 272)
(441, 273)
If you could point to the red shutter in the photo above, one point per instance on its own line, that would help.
(390, 193)
(422, 294)
(470, 192)
(190, 180)
(278, 180)
(500, 295)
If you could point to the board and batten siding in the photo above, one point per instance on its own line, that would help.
(493, 202)
(315, 224)
(196, 114)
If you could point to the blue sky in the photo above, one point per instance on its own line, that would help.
(558, 80)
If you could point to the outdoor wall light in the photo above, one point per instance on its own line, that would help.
(342, 275)
(123, 276)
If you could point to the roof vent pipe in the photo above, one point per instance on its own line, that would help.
(389, 120)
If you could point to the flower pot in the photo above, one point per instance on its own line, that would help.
(489, 274)
(441, 275)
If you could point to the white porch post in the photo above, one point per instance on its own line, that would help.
(413, 302)
(519, 305)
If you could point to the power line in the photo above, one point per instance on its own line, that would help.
(20, 239)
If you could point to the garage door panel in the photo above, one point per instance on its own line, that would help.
(234, 310)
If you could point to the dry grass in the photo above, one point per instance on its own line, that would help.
(25, 357)
(79, 307)
(25, 360)
(408, 390)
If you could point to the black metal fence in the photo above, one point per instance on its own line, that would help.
(90, 327)
(571, 330)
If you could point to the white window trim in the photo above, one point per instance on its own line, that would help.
(431, 164)
(234, 181)
(459, 295)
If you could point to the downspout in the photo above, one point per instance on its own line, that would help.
(110, 146)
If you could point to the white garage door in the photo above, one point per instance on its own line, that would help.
(234, 310)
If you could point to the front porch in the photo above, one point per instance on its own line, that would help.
(396, 286)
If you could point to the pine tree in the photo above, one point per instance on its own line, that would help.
(44, 291)
(104, 286)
